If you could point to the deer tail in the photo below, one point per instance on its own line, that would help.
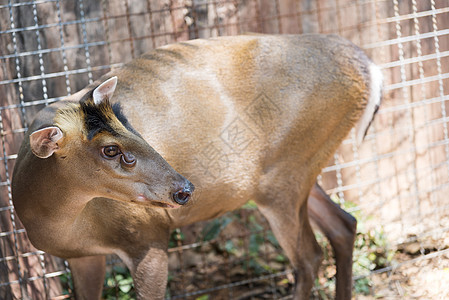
(375, 98)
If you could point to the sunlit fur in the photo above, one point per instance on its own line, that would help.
(70, 119)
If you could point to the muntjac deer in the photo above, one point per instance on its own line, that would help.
(243, 117)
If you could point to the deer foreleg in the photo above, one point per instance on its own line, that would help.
(88, 276)
(150, 274)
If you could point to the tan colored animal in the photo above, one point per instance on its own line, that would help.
(244, 117)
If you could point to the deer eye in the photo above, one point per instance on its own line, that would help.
(111, 151)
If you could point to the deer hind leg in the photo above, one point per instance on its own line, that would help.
(88, 276)
(340, 228)
(289, 221)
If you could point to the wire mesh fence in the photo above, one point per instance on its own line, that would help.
(399, 176)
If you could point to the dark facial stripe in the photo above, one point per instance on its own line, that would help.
(117, 109)
(97, 117)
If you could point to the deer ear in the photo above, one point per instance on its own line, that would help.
(43, 142)
(105, 90)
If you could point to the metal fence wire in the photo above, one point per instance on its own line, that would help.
(396, 182)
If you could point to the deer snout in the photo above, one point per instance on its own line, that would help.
(183, 195)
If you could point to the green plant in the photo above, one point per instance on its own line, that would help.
(118, 284)
(254, 245)
(212, 229)
(371, 252)
(67, 284)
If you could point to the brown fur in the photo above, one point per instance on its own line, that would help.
(247, 117)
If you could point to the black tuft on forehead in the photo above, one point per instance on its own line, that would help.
(97, 118)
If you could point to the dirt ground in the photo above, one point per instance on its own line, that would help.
(422, 277)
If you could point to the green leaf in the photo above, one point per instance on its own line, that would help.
(120, 269)
(251, 205)
(125, 288)
(362, 286)
(230, 247)
(255, 227)
(255, 240)
(281, 258)
(256, 266)
(119, 277)
(211, 230)
(214, 228)
(110, 282)
(372, 256)
(272, 239)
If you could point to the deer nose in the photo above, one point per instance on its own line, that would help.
(182, 196)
